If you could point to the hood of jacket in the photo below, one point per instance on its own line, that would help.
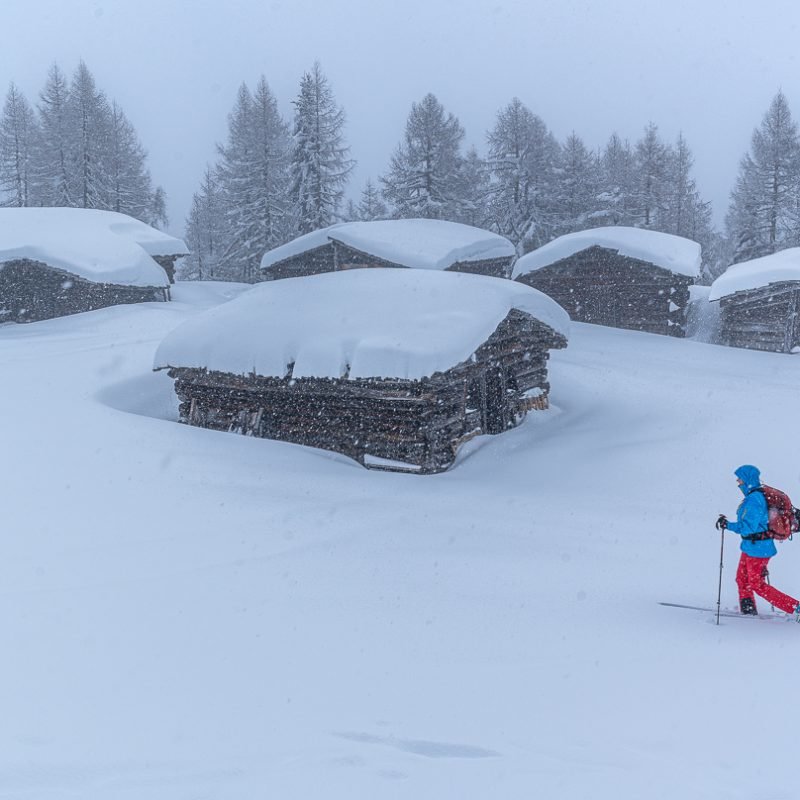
(750, 477)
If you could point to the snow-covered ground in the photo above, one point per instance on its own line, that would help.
(192, 614)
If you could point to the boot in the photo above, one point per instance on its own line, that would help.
(748, 606)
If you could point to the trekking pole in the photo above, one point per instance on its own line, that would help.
(721, 551)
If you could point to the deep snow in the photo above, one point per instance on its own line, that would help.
(193, 614)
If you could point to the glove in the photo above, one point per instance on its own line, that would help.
(722, 522)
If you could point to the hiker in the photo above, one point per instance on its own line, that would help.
(758, 547)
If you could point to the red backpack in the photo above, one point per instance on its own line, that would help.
(783, 516)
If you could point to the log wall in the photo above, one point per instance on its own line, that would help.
(762, 319)
(419, 423)
(600, 286)
(31, 291)
(336, 256)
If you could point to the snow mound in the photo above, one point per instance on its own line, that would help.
(673, 253)
(358, 323)
(416, 243)
(776, 268)
(99, 246)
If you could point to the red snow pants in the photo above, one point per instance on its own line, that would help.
(751, 577)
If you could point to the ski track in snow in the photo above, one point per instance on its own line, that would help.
(187, 613)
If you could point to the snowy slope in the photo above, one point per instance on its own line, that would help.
(100, 246)
(192, 614)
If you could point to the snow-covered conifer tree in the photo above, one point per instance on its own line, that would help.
(425, 178)
(577, 186)
(53, 159)
(206, 231)
(88, 117)
(320, 166)
(763, 214)
(616, 189)
(650, 164)
(254, 182)
(128, 181)
(18, 136)
(476, 187)
(371, 205)
(523, 158)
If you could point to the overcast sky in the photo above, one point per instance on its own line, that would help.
(708, 68)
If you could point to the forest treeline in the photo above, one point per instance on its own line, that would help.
(275, 179)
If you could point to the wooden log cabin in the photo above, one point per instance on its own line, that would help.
(394, 368)
(404, 243)
(620, 277)
(759, 303)
(60, 261)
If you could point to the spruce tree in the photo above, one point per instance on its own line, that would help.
(426, 177)
(763, 214)
(320, 166)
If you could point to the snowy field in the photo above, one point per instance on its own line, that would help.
(191, 614)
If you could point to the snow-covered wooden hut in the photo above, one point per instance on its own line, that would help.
(394, 368)
(411, 243)
(620, 277)
(59, 261)
(760, 303)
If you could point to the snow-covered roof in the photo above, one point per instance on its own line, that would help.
(776, 268)
(359, 323)
(673, 253)
(417, 243)
(100, 246)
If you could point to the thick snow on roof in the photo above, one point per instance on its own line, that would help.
(673, 253)
(381, 323)
(776, 268)
(100, 246)
(417, 243)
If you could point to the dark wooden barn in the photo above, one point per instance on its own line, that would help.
(60, 261)
(409, 243)
(620, 277)
(396, 369)
(760, 303)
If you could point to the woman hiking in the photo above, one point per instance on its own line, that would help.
(752, 524)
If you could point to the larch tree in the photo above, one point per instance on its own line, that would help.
(53, 157)
(577, 186)
(320, 166)
(616, 183)
(763, 214)
(524, 160)
(426, 174)
(206, 231)
(650, 165)
(371, 205)
(18, 138)
(253, 173)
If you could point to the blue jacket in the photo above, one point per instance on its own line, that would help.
(752, 516)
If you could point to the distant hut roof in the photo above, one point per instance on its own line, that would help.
(99, 246)
(355, 324)
(674, 253)
(417, 243)
(779, 267)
